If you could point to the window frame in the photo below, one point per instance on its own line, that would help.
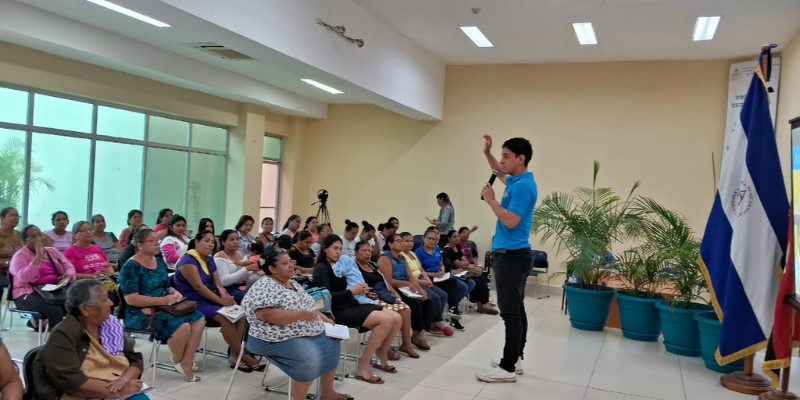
(279, 163)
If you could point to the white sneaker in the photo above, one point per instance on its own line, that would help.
(517, 367)
(496, 374)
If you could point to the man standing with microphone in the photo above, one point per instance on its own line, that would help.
(512, 256)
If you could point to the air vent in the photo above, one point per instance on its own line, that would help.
(220, 51)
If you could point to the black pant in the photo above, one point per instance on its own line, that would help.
(510, 275)
(422, 312)
(33, 302)
(481, 292)
(450, 286)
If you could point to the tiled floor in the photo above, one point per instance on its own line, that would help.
(561, 363)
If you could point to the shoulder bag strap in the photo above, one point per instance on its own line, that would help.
(56, 266)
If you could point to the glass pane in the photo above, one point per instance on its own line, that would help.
(120, 123)
(169, 131)
(272, 147)
(117, 182)
(13, 106)
(165, 183)
(269, 185)
(209, 137)
(62, 166)
(58, 113)
(206, 189)
(12, 169)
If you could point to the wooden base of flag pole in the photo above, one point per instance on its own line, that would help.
(780, 394)
(746, 382)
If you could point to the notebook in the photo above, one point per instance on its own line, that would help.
(232, 313)
(443, 278)
(407, 291)
(337, 331)
(145, 389)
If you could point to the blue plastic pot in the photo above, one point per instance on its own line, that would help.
(639, 317)
(710, 330)
(588, 309)
(680, 328)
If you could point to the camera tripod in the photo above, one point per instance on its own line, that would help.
(322, 214)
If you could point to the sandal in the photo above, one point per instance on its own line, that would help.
(374, 379)
(421, 344)
(258, 367)
(392, 355)
(195, 367)
(387, 368)
(342, 396)
(409, 352)
(180, 370)
(243, 367)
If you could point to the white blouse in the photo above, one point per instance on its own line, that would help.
(229, 272)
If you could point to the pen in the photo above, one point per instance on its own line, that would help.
(120, 377)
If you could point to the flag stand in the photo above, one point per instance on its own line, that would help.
(780, 394)
(746, 382)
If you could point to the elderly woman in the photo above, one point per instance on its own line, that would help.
(88, 258)
(35, 265)
(287, 328)
(197, 279)
(144, 282)
(88, 356)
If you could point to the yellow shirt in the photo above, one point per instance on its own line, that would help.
(413, 264)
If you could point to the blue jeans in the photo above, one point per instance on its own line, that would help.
(438, 299)
(464, 288)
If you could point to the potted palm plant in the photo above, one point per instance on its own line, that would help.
(585, 224)
(640, 273)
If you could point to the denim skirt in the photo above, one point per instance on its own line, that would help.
(302, 358)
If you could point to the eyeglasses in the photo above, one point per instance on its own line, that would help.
(86, 231)
(153, 241)
(326, 231)
(430, 238)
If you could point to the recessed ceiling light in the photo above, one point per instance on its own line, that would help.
(476, 36)
(321, 86)
(585, 32)
(130, 13)
(705, 28)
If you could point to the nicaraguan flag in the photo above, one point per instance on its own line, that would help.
(745, 239)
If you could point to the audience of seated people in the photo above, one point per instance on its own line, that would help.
(134, 220)
(88, 356)
(145, 284)
(175, 243)
(216, 272)
(287, 328)
(59, 236)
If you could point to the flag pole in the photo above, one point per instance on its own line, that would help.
(780, 394)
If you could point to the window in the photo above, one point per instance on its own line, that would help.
(273, 148)
(85, 158)
(270, 179)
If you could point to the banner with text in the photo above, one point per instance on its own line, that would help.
(738, 83)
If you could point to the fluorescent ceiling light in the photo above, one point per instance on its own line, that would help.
(585, 32)
(705, 28)
(130, 13)
(321, 86)
(476, 36)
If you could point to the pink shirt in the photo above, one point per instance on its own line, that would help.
(87, 260)
(26, 274)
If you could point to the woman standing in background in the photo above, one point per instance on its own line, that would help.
(446, 221)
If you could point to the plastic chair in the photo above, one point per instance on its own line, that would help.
(540, 266)
(42, 336)
(418, 240)
(27, 372)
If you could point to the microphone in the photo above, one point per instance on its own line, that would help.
(491, 180)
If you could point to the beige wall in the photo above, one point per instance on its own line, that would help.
(788, 103)
(656, 122)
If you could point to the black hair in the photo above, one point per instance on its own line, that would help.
(462, 229)
(131, 213)
(289, 221)
(267, 260)
(361, 244)
(308, 221)
(223, 237)
(202, 225)
(161, 214)
(388, 224)
(56, 214)
(429, 230)
(284, 242)
(265, 219)
(520, 147)
(198, 237)
(451, 233)
(95, 217)
(322, 226)
(140, 232)
(404, 234)
(302, 235)
(23, 234)
(390, 239)
(5, 211)
(348, 225)
(243, 220)
(444, 197)
(328, 242)
(175, 219)
(367, 227)
(255, 247)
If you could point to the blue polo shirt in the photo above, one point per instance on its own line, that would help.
(429, 262)
(519, 198)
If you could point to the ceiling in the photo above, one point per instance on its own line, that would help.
(540, 31)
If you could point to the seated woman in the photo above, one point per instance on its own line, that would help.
(234, 268)
(88, 356)
(35, 265)
(175, 244)
(430, 257)
(266, 237)
(10, 384)
(88, 259)
(454, 258)
(134, 220)
(162, 222)
(130, 249)
(10, 242)
(243, 228)
(197, 279)
(385, 229)
(59, 235)
(292, 226)
(438, 296)
(324, 231)
(373, 277)
(311, 225)
(106, 240)
(301, 253)
(144, 282)
(206, 224)
(348, 311)
(350, 238)
(286, 327)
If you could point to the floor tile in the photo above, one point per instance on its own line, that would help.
(530, 386)
(657, 375)
(596, 394)
(427, 393)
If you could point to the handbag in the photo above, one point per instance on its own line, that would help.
(322, 297)
(54, 297)
(384, 293)
(179, 309)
